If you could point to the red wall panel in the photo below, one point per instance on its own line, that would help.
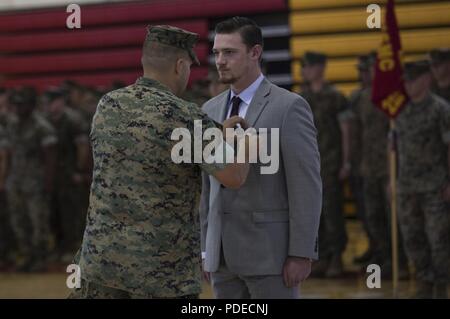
(80, 61)
(88, 38)
(136, 12)
(98, 79)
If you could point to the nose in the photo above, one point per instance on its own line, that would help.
(220, 59)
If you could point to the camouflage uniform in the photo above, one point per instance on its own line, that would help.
(6, 233)
(69, 218)
(329, 107)
(356, 180)
(142, 234)
(442, 92)
(374, 128)
(423, 138)
(28, 203)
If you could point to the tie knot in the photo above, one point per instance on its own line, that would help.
(236, 101)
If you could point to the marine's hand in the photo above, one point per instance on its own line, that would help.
(232, 122)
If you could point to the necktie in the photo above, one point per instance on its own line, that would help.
(236, 100)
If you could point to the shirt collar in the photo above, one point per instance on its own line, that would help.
(248, 94)
(152, 83)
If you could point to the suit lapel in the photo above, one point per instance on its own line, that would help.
(221, 109)
(258, 103)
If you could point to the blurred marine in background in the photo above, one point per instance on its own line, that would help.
(331, 117)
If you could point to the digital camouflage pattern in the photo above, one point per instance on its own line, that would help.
(355, 133)
(90, 290)
(142, 234)
(174, 36)
(423, 138)
(443, 92)
(369, 143)
(29, 219)
(71, 130)
(423, 132)
(372, 128)
(424, 222)
(329, 107)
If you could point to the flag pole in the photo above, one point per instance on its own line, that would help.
(393, 187)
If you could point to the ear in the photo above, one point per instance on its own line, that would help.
(179, 66)
(256, 52)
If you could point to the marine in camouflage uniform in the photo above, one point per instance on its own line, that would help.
(423, 129)
(142, 238)
(440, 67)
(71, 159)
(6, 234)
(374, 134)
(356, 179)
(88, 107)
(331, 112)
(372, 127)
(29, 141)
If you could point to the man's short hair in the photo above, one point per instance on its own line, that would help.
(248, 29)
(160, 56)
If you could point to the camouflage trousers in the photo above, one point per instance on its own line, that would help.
(332, 232)
(357, 188)
(6, 233)
(90, 290)
(424, 222)
(67, 218)
(29, 216)
(379, 219)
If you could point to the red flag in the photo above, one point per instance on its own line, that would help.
(388, 91)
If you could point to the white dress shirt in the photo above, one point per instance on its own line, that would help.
(246, 97)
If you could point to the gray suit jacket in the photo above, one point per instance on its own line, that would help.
(270, 216)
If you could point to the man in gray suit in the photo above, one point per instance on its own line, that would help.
(259, 241)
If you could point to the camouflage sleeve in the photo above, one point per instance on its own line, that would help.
(344, 112)
(197, 114)
(47, 134)
(80, 129)
(445, 123)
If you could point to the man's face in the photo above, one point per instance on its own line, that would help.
(440, 70)
(313, 72)
(56, 107)
(233, 59)
(416, 87)
(183, 73)
(90, 102)
(75, 96)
